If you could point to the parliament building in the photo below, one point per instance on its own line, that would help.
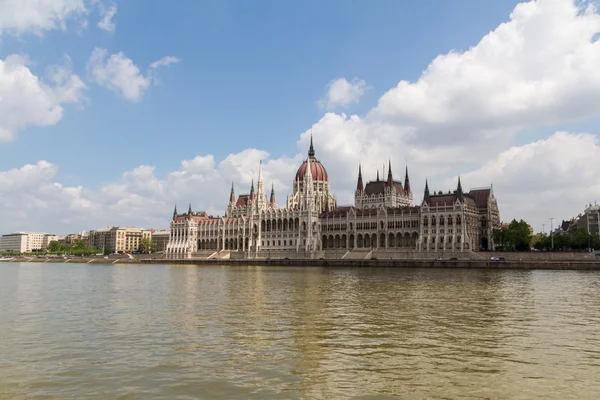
(383, 222)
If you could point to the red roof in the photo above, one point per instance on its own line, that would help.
(317, 169)
(480, 196)
(378, 187)
(242, 200)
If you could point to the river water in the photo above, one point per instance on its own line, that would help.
(78, 331)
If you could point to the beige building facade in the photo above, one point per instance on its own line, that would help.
(118, 239)
(383, 217)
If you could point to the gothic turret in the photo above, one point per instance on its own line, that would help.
(252, 190)
(426, 194)
(175, 211)
(360, 187)
(311, 150)
(459, 191)
(272, 200)
(390, 180)
(377, 175)
(406, 182)
(260, 185)
(232, 195)
(190, 209)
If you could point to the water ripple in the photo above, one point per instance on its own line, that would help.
(166, 332)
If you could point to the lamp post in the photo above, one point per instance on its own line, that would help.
(551, 237)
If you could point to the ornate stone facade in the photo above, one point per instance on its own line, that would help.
(383, 217)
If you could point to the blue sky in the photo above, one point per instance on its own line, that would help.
(249, 77)
(484, 82)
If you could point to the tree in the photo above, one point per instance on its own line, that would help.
(147, 246)
(520, 235)
(55, 246)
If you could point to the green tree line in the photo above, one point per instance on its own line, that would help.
(77, 248)
(517, 237)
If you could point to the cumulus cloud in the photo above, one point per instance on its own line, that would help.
(541, 66)
(19, 17)
(341, 93)
(120, 74)
(460, 117)
(106, 23)
(26, 100)
(552, 177)
(33, 199)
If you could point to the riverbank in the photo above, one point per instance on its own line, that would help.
(73, 260)
(469, 264)
(528, 264)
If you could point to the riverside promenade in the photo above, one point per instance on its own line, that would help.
(456, 264)
(526, 263)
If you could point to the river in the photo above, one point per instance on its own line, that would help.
(79, 331)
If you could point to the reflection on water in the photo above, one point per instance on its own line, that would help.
(143, 332)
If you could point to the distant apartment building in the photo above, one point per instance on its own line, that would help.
(590, 220)
(70, 238)
(160, 239)
(118, 238)
(26, 242)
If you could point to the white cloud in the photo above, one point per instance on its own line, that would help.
(341, 93)
(165, 61)
(26, 100)
(106, 23)
(465, 110)
(553, 177)
(118, 73)
(31, 200)
(19, 17)
(541, 66)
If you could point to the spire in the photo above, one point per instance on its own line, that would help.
(311, 150)
(406, 182)
(426, 188)
(308, 172)
(175, 210)
(459, 190)
(272, 201)
(390, 180)
(252, 190)
(359, 185)
(259, 172)
(232, 195)
(377, 175)
(190, 209)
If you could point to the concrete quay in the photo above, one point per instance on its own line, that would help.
(391, 263)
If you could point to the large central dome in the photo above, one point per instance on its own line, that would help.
(316, 168)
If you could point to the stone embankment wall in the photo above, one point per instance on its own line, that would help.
(387, 263)
(540, 255)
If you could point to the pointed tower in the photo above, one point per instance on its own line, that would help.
(378, 175)
(308, 183)
(407, 183)
(252, 190)
(190, 209)
(426, 194)
(272, 200)
(260, 185)
(360, 187)
(232, 195)
(311, 149)
(390, 180)
(459, 191)
(175, 211)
